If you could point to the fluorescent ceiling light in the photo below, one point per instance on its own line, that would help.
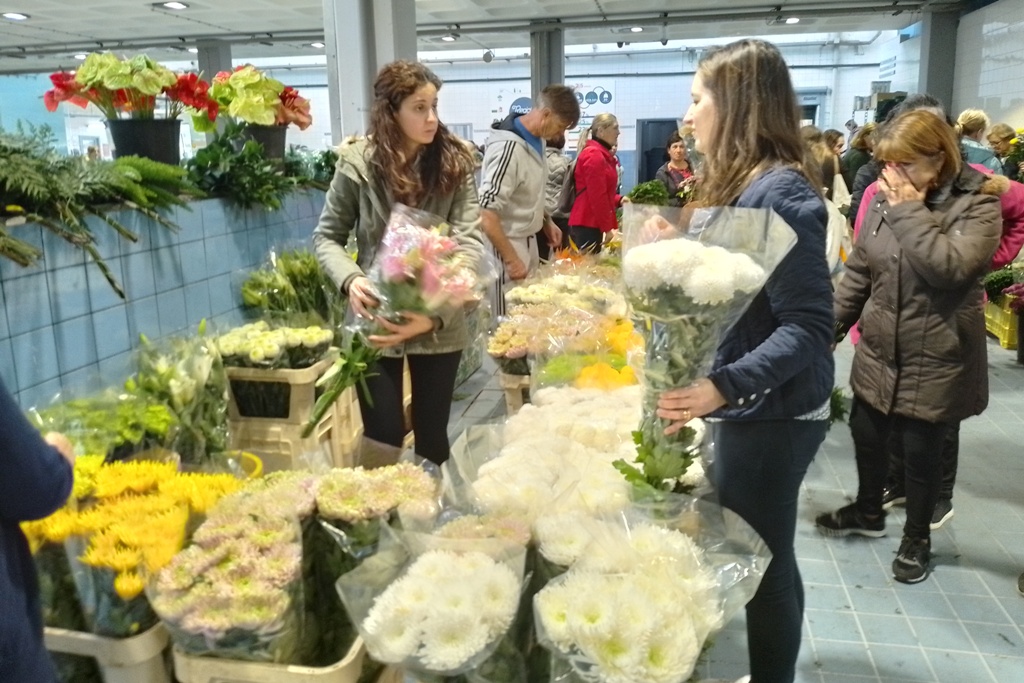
(81, 56)
(194, 50)
(448, 37)
(175, 5)
(637, 29)
(317, 45)
(15, 16)
(793, 20)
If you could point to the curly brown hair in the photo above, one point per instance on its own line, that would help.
(439, 168)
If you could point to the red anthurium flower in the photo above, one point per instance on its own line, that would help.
(293, 109)
(65, 89)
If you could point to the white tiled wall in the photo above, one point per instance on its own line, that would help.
(990, 62)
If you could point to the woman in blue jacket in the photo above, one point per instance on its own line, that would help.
(773, 374)
(35, 481)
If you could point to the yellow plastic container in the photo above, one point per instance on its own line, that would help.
(1001, 322)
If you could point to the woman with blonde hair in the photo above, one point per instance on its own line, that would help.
(1000, 139)
(597, 179)
(970, 126)
(914, 283)
(773, 373)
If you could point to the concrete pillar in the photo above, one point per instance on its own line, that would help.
(938, 56)
(214, 56)
(547, 60)
(360, 37)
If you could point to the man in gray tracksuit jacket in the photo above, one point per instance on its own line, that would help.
(513, 180)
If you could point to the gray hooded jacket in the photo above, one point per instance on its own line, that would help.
(358, 201)
(514, 177)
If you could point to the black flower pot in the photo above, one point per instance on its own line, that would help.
(156, 139)
(271, 137)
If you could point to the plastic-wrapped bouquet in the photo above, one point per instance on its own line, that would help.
(237, 592)
(440, 607)
(258, 345)
(644, 590)
(419, 268)
(687, 286)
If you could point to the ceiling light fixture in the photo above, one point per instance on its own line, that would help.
(175, 5)
(637, 29)
(793, 20)
(81, 56)
(194, 50)
(452, 34)
(15, 16)
(318, 46)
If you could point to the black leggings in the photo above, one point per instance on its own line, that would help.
(921, 444)
(433, 383)
(587, 240)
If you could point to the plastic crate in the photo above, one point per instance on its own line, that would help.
(296, 387)
(517, 388)
(139, 659)
(191, 669)
(280, 445)
(1001, 322)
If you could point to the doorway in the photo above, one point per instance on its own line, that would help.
(652, 134)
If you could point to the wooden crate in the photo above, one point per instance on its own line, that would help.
(1001, 321)
(517, 390)
(298, 385)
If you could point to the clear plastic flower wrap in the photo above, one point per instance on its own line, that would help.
(238, 591)
(645, 590)
(439, 607)
(421, 268)
(689, 276)
(187, 375)
(291, 288)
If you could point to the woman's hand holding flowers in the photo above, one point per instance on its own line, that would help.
(682, 405)
(361, 297)
(415, 324)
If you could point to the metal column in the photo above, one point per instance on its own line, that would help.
(547, 59)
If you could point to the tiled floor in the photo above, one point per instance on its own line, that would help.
(965, 624)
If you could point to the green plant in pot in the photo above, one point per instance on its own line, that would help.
(265, 104)
(126, 91)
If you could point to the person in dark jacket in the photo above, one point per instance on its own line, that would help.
(858, 154)
(773, 371)
(1000, 138)
(597, 179)
(676, 171)
(914, 282)
(35, 482)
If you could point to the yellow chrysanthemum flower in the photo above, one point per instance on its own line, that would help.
(119, 560)
(129, 585)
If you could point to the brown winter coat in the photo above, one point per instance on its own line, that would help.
(914, 282)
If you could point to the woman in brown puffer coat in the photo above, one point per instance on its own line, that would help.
(914, 282)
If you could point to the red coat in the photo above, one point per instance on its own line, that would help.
(596, 181)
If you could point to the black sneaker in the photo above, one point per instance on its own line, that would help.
(893, 495)
(943, 513)
(849, 520)
(911, 563)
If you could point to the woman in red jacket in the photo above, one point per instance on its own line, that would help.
(593, 212)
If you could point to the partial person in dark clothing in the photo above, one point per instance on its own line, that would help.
(773, 372)
(558, 166)
(999, 139)
(825, 159)
(676, 171)
(35, 482)
(858, 154)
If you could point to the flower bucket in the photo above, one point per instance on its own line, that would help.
(271, 137)
(156, 139)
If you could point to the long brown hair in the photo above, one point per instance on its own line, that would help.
(439, 168)
(757, 125)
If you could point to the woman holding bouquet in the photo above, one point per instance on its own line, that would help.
(409, 157)
(773, 372)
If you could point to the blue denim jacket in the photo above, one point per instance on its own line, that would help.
(776, 361)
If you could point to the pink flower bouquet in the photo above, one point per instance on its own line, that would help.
(419, 268)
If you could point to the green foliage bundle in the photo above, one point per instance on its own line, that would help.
(293, 288)
(310, 169)
(60, 193)
(651, 192)
(998, 280)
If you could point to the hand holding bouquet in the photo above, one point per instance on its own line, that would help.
(419, 273)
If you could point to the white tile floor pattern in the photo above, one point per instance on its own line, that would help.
(964, 624)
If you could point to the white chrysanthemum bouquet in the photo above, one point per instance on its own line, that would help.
(435, 605)
(687, 286)
(641, 596)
